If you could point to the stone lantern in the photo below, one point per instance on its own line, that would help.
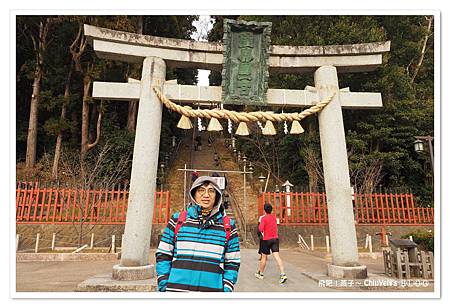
(287, 187)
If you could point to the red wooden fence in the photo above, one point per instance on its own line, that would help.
(310, 208)
(67, 205)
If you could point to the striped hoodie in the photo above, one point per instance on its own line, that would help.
(199, 260)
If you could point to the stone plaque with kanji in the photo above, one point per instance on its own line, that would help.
(245, 73)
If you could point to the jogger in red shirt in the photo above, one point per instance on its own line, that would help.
(270, 242)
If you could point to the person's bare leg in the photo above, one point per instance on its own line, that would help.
(262, 263)
(276, 255)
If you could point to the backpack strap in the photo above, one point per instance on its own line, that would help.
(227, 228)
(180, 221)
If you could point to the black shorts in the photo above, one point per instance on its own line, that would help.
(270, 245)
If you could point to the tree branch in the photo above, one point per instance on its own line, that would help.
(99, 126)
(422, 52)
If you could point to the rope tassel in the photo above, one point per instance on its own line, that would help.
(242, 129)
(269, 129)
(185, 122)
(296, 128)
(214, 125)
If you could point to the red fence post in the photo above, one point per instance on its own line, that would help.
(302, 196)
(408, 206)
(325, 208)
(19, 201)
(356, 207)
(362, 207)
(155, 196)
(388, 207)
(42, 204)
(55, 204)
(366, 205)
(122, 204)
(50, 199)
(392, 206)
(412, 207)
(383, 216)
(167, 207)
(319, 208)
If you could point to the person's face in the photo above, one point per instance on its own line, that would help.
(205, 196)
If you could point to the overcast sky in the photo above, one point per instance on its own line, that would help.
(203, 25)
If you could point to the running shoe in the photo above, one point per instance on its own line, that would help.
(283, 278)
(259, 275)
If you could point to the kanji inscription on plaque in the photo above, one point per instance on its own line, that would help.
(245, 71)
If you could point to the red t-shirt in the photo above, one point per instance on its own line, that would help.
(268, 227)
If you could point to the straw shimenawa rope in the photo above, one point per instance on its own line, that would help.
(242, 116)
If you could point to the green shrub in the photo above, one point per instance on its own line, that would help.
(425, 239)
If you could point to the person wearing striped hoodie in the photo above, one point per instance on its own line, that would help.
(199, 257)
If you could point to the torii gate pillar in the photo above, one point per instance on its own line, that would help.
(337, 180)
(134, 263)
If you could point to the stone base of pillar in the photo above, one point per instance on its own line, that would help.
(105, 283)
(133, 272)
(347, 272)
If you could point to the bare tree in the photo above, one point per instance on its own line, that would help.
(313, 166)
(62, 118)
(368, 176)
(38, 32)
(77, 49)
(96, 177)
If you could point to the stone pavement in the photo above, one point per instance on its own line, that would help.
(302, 270)
(297, 282)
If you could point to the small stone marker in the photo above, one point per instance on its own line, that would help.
(36, 248)
(113, 243)
(53, 241)
(92, 240)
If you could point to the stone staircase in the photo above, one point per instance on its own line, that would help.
(236, 183)
(204, 159)
(175, 177)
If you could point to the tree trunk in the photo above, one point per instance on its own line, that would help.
(85, 145)
(92, 121)
(84, 125)
(61, 131)
(132, 115)
(423, 49)
(33, 122)
(74, 128)
(133, 105)
(39, 45)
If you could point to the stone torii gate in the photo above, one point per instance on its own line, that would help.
(157, 52)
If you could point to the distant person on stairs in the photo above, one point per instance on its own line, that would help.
(210, 140)
(216, 159)
(269, 229)
(199, 249)
(198, 143)
(194, 176)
